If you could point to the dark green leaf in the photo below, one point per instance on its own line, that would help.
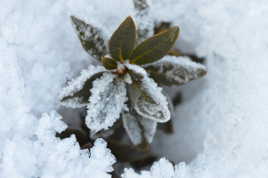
(84, 93)
(108, 63)
(90, 37)
(123, 40)
(155, 47)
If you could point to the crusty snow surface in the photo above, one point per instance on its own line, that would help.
(221, 126)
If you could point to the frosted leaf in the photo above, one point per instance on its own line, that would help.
(173, 70)
(149, 129)
(67, 95)
(90, 37)
(148, 101)
(170, 104)
(106, 102)
(143, 19)
(132, 128)
(138, 128)
(146, 97)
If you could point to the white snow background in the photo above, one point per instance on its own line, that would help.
(221, 128)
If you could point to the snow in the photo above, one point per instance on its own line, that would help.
(221, 126)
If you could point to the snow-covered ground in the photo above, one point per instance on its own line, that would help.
(221, 127)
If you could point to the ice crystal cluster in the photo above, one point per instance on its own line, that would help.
(124, 87)
(222, 127)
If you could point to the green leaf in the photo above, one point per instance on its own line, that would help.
(90, 37)
(155, 47)
(175, 71)
(84, 93)
(108, 63)
(123, 40)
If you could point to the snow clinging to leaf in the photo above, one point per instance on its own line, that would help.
(77, 84)
(156, 107)
(106, 102)
(147, 99)
(173, 70)
(132, 127)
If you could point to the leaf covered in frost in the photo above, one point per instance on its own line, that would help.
(143, 19)
(155, 47)
(106, 102)
(90, 37)
(146, 97)
(149, 129)
(77, 92)
(132, 128)
(140, 131)
(84, 93)
(175, 70)
(123, 40)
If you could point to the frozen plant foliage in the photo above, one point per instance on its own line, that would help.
(124, 86)
(148, 100)
(139, 129)
(176, 70)
(91, 38)
(131, 124)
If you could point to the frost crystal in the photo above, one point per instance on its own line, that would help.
(106, 103)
